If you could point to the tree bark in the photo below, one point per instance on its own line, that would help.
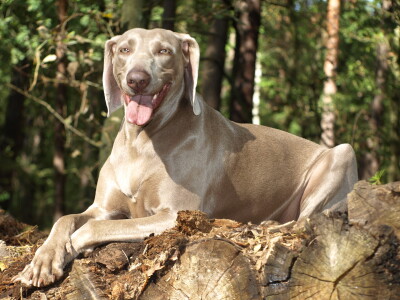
(131, 16)
(12, 138)
(60, 107)
(136, 13)
(330, 65)
(247, 29)
(168, 18)
(214, 61)
(370, 160)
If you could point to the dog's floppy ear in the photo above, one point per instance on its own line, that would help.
(191, 52)
(112, 92)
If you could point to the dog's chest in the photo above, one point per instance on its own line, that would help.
(133, 172)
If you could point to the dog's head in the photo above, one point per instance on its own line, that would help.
(145, 68)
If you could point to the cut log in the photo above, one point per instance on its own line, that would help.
(83, 284)
(350, 255)
(340, 262)
(210, 269)
(375, 205)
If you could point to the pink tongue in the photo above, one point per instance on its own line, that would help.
(139, 109)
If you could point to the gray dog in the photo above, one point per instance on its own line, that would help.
(174, 152)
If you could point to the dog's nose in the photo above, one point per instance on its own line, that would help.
(138, 80)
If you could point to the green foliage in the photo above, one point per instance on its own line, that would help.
(28, 31)
(292, 54)
(363, 28)
(4, 196)
(377, 178)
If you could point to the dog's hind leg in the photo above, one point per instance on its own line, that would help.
(330, 180)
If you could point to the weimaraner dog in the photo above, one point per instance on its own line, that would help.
(174, 152)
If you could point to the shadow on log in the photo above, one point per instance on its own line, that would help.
(354, 255)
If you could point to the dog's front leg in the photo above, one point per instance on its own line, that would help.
(50, 259)
(97, 232)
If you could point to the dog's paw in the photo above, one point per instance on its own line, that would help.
(25, 276)
(45, 268)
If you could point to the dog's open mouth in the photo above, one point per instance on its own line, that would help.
(140, 108)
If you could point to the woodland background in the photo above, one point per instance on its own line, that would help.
(331, 78)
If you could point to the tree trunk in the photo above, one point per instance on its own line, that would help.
(12, 138)
(247, 28)
(370, 160)
(136, 13)
(290, 38)
(168, 18)
(214, 61)
(60, 107)
(256, 96)
(131, 16)
(330, 65)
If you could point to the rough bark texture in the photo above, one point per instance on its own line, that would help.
(247, 28)
(329, 256)
(168, 18)
(371, 206)
(330, 65)
(213, 62)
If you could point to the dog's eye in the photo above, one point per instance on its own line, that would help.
(124, 50)
(165, 51)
